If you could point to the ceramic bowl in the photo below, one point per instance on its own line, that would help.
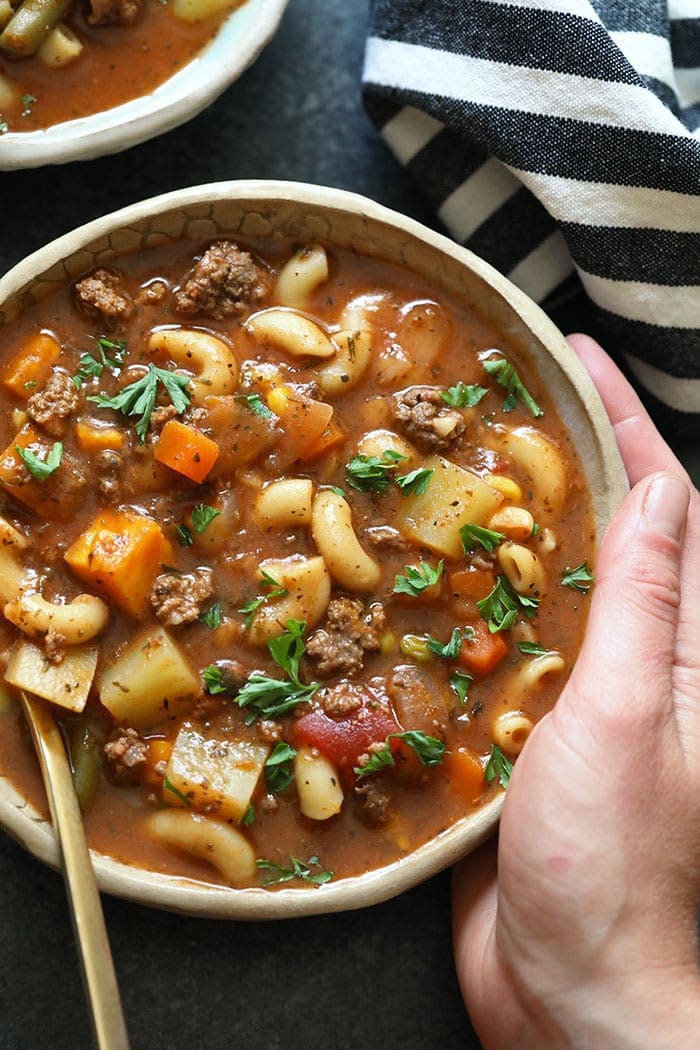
(304, 213)
(237, 43)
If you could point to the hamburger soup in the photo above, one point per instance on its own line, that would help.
(298, 549)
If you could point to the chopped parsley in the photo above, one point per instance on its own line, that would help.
(506, 375)
(184, 536)
(258, 406)
(250, 608)
(415, 483)
(279, 771)
(498, 767)
(248, 817)
(169, 786)
(501, 607)
(139, 398)
(534, 649)
(535, 530)
(202, 517)
(4, 127)
(92, 367)
(213, 680)
(372, 473)
(579, 578)
(298, 870)
(41, 468)
(418, 578)
(27, 103)
(448, 650)
(462, 395)
(211, 617)
(459, 683)
(471, 535)
(429, 750)
(267, 697)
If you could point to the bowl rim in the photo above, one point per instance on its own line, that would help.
(79, 139)
(178, 894)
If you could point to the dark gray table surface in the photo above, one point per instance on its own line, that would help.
(381, 977)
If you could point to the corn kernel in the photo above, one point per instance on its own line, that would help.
(416, 647)
(387, 642)
(510, 489)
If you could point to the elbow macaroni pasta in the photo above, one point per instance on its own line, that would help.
(215, 366)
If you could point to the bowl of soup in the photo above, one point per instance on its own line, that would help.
(300, 508)
(84, 78)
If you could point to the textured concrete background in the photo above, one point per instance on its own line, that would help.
(382, 977)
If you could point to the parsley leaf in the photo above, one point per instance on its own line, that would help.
(460, 683)
(27, 102)
(202, 517)
(500, 608)
(498, 766)
(579, 578)
(257, 406)
(4, 126)
(372, 473)
(248, 817)
(429, 750)
(139, 398)
(470, 535)
(213, 680)
(279, 772)
(533, 649)
(298, 870)
(507, 376)
(463, 396)
(267, 697)
(184, 536)
(418, 578)
(41, 468)
(415, 483)
(92, 367)
(450, 650)
(211, 617)
(168, 786)
(250, 608)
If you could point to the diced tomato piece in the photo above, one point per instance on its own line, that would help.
(482, 653)
(344, 740)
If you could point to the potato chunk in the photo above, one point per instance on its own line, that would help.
(215, 771)
(149, 681)
(453, 498)
(66, 684)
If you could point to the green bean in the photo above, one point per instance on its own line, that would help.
(85, 763)
(30, 25)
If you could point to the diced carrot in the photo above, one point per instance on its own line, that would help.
(484, 651)
(93, 438)
(119, 555)
(464, 771)
(158, 751)
(53, 497)
(330, 437)
(186, 450)
(30, 366)
(473, 584)
(302, 419)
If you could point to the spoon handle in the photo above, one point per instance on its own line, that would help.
(100, 980)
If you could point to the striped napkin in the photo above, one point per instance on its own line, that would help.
(560, 137)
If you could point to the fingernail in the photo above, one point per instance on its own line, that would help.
(666, 506)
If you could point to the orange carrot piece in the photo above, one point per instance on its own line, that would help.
(186, 450)
(464, 771)
(473, 584)
(482, 653)
(92, 438)
(53, 497)
(29, 368)
(158, 751)
(119, 555)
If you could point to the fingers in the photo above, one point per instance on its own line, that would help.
(474, 899)
(624, 675)
(642, 448)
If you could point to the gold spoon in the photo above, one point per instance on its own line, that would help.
(108, 1024)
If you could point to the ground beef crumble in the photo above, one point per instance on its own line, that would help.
(425, 418)
(225, 281)
(350, 630)
(376, 798)
(52, 406)
(341, 699)
(125, 751)
(113, 12)
(178, 598)
(101, 295)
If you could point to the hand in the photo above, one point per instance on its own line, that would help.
(588, 938)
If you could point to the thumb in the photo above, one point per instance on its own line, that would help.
(623, 676)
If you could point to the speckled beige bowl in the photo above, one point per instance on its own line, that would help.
(302, 213)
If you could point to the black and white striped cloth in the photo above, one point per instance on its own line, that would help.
(557, 137)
